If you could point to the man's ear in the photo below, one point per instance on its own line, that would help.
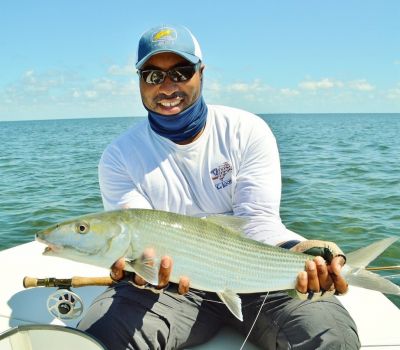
(202, 70)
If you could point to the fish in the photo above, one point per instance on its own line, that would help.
(213, 252)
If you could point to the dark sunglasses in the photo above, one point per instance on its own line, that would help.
(177, 75)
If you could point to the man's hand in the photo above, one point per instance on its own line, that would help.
(320, 278)
(117, 273)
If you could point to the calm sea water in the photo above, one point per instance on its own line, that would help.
(341, 175)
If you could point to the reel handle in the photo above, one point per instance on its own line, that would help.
(76, 281)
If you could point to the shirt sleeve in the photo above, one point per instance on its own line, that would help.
(257, 194)
(116, 186)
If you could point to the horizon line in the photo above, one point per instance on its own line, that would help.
(144, 116)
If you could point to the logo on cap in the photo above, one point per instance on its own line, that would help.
(165, 34)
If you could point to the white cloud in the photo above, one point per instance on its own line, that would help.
(289, 92)
(394, 94)
(213, 86)
(256, 86)
(397, 62)
(239, 87)
(322, 84)
(361, 85)
(116, 92)
(327, 84)
(90, 94)
(128, 69)
(50, 94)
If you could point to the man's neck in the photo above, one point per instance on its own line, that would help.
(182, 128)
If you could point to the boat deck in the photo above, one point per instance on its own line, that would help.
(377, 318)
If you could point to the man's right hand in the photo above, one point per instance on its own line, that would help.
(164, 273)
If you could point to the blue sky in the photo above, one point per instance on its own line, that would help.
(75, 58)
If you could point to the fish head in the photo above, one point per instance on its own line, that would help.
(98, 239)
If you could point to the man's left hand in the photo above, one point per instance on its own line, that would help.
(319, 278)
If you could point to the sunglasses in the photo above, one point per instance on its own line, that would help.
(177, 75)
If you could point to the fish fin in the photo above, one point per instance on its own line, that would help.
(358, 276)
(232, 302)
(145, 268)
(363, 256)
(369, 280)
(236, 223)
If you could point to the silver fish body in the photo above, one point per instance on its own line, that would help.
(214, 257)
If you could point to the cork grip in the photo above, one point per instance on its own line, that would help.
(76, 281)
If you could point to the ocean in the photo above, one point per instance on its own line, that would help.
(340, 174)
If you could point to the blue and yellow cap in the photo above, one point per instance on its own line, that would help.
(168, 38)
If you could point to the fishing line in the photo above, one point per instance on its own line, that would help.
(202, 299)
(254, 322)
(220, 302)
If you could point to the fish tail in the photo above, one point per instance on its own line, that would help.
(360, 277)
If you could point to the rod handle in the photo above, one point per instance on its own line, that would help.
(91, 281)
(76, 281)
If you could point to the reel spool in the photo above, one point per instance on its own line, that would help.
(64, 304)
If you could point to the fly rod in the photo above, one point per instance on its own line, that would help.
(383, 268)
(77, 281)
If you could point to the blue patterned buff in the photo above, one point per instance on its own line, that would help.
(181, 126)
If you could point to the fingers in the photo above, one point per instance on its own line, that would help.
(183, 287)
(148, 256)
(308, 280)
(335, 268)
(139, 280)
(312, 276)
(325, 280)
(302, 282)
(117, 270)
(164, 272)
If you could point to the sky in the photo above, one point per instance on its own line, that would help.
(75, 58)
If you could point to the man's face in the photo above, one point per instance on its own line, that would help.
(169, 98)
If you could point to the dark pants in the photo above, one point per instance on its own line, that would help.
(125, 317)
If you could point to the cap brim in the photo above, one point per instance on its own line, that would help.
(191, 58)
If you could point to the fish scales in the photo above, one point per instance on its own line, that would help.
(213, 256)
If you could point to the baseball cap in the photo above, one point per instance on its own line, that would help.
(168, 38)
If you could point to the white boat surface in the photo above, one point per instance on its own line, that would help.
(377, 318)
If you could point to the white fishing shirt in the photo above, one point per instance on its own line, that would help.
(233, 167)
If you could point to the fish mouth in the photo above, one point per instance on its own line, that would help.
(51, 248)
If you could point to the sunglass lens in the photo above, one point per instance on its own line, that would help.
(153, 76)
(182, 73)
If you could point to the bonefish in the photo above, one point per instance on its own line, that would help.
(213, 253)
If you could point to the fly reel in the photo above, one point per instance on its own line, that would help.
(64, 304)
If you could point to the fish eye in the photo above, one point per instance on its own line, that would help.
(82, 227)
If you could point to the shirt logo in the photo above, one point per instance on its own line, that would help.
(165, 34)
(222, 175)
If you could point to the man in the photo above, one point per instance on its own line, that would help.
(197, 159)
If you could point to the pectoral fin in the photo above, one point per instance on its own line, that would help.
(145, 268)
(232, 302)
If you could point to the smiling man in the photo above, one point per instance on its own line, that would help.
(197, 159)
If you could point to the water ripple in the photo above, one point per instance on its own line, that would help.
(340, 175)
